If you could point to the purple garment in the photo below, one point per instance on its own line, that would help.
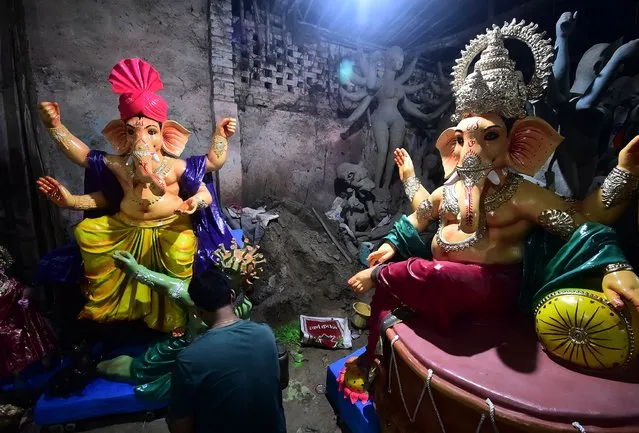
(64, 265)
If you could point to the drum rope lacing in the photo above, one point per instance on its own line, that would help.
(427, 387)
(491, 414)
(579, 427)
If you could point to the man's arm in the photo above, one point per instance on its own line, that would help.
(181, 415)
(174, 288)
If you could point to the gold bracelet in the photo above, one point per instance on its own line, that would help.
(220, 145)
(201, 203)
(61, 135)
(618, 187)
(616, 267)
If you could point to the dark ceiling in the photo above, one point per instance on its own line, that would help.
(444, 26)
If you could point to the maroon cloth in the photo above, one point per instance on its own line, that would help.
(24, 334)
(443, 291)
(506, 363)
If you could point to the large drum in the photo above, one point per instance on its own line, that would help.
(496, 375)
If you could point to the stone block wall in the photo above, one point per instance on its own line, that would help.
(223, 95)
(292, 77)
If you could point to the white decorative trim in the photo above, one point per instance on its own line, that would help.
(579, 427)
(491, 414)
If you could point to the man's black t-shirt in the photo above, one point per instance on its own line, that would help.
(228, 380)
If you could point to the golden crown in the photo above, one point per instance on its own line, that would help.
(495, 85)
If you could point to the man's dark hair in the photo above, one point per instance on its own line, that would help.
(210, 290)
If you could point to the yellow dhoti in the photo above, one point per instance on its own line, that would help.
(167, 246)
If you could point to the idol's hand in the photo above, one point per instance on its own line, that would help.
(188, 206)
(226, 127)
(125, 261)
(629, 157)
(56, 192)
(404, 164)
(621, 284)
(50, 114)
(384, 253)
(566, 24)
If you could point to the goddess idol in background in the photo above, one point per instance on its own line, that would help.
(142, 199)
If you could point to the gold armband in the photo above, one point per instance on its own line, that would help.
(557, 222)
(424, 211)
(220, 145)
(618, 187)
(61, 135)
(201, 203)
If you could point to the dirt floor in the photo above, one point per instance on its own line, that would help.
(305, 273)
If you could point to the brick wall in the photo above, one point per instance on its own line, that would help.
(285, 91)
(223, 95)
(291, 77)
(221, 33)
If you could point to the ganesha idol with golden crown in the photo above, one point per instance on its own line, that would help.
(492, 221)
(142, 199)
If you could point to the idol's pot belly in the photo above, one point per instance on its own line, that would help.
(500, 245)
(163, 208)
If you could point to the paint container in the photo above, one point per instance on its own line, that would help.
(361, 314)
(282, 354)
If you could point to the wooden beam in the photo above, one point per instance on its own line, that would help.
(416, 23)
(338, 38)
(324, 12)
(459, 39)
(308, 8)
(452, 11)
(293, 5)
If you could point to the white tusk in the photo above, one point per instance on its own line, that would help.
(494, 177)
(452, 179)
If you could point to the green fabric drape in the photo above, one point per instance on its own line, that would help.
(406, 240)
(152, 371)
(549, 266)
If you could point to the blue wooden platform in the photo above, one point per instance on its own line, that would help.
(358, 417)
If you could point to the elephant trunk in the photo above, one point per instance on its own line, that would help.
(469, 205)
(143, 164)
(473, 173)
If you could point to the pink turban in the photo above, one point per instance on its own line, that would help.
(136, 81)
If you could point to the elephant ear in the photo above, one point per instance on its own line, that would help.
(115, 133)
(175, 137)
(532, 141)
(446, 145)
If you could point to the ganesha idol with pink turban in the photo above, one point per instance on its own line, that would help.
(489, 215)
(142, 199)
